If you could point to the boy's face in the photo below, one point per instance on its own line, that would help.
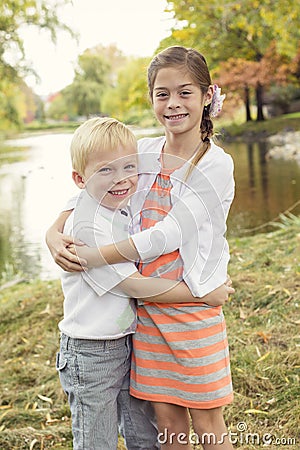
(111, 176)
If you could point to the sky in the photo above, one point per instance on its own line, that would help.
(135, 26)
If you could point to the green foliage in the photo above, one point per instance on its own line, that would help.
(58, 109)
(282, 96)
(244, 30)
(83, 96)
(92, 66)
(13, 15)
(128, 99)
(17, 13)
(10, 100)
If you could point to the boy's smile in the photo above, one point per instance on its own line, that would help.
(111, 176)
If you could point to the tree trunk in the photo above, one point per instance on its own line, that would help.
(247, 103)
(259, 102)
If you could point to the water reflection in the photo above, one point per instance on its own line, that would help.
(36, 186)
(264, 188)
(32, 191)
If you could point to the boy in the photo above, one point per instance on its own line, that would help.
(99, 315)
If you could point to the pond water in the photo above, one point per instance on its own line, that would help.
(36, 182)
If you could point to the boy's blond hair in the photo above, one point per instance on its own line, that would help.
(99, 133)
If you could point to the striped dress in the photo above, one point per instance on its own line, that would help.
(180, 351)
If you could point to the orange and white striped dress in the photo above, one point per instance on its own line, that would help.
(180, 351)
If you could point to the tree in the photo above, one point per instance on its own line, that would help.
(241, 74)
(244, 29)
(11, 103)
(83, 96)
(30, 103)
(57, 108)
(15, 14)
(127, 98)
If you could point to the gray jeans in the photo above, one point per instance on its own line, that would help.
(95, 376)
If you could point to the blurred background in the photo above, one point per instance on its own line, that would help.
(64, 61)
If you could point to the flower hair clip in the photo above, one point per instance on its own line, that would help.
(216, 102)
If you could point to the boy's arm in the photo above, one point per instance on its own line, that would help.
(58, 243)
(158, 290)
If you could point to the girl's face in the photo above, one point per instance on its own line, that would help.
(178, 101)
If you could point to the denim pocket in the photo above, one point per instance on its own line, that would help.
(61, 362)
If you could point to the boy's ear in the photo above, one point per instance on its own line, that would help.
(78, 179)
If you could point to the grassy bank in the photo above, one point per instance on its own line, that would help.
(262, 321)
(260, 130)
(229, 130)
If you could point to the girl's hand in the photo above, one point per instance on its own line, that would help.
(219, 296)
(89, 256)
(58, 245)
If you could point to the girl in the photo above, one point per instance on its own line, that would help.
(186, 186)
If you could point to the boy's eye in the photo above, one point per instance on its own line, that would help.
(130, 167)
(104, 170)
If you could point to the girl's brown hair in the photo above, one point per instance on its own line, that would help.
(195, 63)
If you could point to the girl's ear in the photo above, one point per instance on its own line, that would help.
(209, 95)
(78, 179)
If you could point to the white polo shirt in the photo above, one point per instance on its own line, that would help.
(94, 307)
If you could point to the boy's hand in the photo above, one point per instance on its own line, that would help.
(58, 244)
(219, 296)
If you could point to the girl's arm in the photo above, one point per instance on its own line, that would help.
(118, 252)
(159, 290)
(203, 201)
(58, 243)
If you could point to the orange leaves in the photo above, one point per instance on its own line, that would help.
(265, 337)
(239, 72)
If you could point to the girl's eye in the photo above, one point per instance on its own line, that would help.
(185, 93)
(161, 94)
(104, 170)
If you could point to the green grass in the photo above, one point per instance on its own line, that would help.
(37, 126)
(228, 129)
(255, 130)
(262, 321)
(263, 327)
(233, 130)
(10, 154)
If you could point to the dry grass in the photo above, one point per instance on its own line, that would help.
(263, 327)
(262, 321)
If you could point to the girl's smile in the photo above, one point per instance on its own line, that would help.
(177, 101)
(176, 116)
